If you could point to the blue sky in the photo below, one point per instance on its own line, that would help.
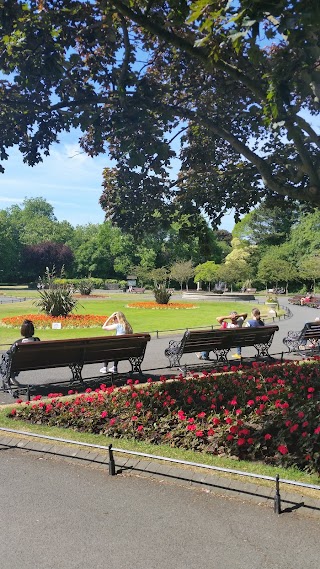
(68, 179)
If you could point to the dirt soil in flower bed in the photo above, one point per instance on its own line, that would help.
(269, 413)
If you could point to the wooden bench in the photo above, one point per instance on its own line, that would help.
(305, 342)
(220, 342)
(137, 290)
(72, 353)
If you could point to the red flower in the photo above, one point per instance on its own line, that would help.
(199, 434)
(241, 442)
(317, 430)
(201, 415)
(191, 427)
(140, 428)
(267, 437)
(134, 418)
(283, 449)
(210, 432)
(103, 414)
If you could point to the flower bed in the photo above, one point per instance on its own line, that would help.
(268, 413)
(156, 306)
(43, 321)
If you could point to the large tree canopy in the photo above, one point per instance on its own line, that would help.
(227, 87)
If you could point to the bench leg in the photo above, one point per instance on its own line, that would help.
(136, 364)
(76, 370)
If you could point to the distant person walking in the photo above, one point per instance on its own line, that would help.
(255, 321)
(117, 321)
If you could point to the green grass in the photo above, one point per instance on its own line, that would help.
(167, 451)
(142, 320)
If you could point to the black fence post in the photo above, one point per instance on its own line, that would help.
(277, 498)
(112, 466)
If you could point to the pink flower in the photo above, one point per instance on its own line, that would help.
(103, 414)
(283, 449)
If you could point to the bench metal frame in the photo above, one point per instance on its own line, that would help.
(305, 342)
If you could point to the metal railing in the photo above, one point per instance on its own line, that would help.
(112, 464)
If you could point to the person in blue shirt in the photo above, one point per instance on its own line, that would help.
(117, 321)
(255, 321)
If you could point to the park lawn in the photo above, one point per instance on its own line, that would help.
(142, 319)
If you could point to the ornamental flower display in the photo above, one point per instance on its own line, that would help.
(43, 321)
(156, 306)
(267, 413)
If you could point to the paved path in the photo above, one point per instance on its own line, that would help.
(55, 515)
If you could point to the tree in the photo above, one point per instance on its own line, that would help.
(273, 269)
(35, 258)
(206, 272)
(234, 83)
(233, 272)
(266, 226)
(310, 269)
(182, 272)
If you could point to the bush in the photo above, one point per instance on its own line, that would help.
(57, 301)
(85, 286)
(162, 295)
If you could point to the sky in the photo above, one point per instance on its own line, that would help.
(68, 179)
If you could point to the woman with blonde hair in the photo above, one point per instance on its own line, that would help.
(117, 321)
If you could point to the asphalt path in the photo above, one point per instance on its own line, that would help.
(155, 362)
(57, 515)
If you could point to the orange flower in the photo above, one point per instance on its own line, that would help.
(42, 321)
(156, 306)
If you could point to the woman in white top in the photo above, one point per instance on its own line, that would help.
(117, 321)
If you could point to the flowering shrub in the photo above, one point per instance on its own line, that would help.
(268, 413)
(42, 321)
(155, 305)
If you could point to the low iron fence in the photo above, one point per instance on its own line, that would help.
(112, 463)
